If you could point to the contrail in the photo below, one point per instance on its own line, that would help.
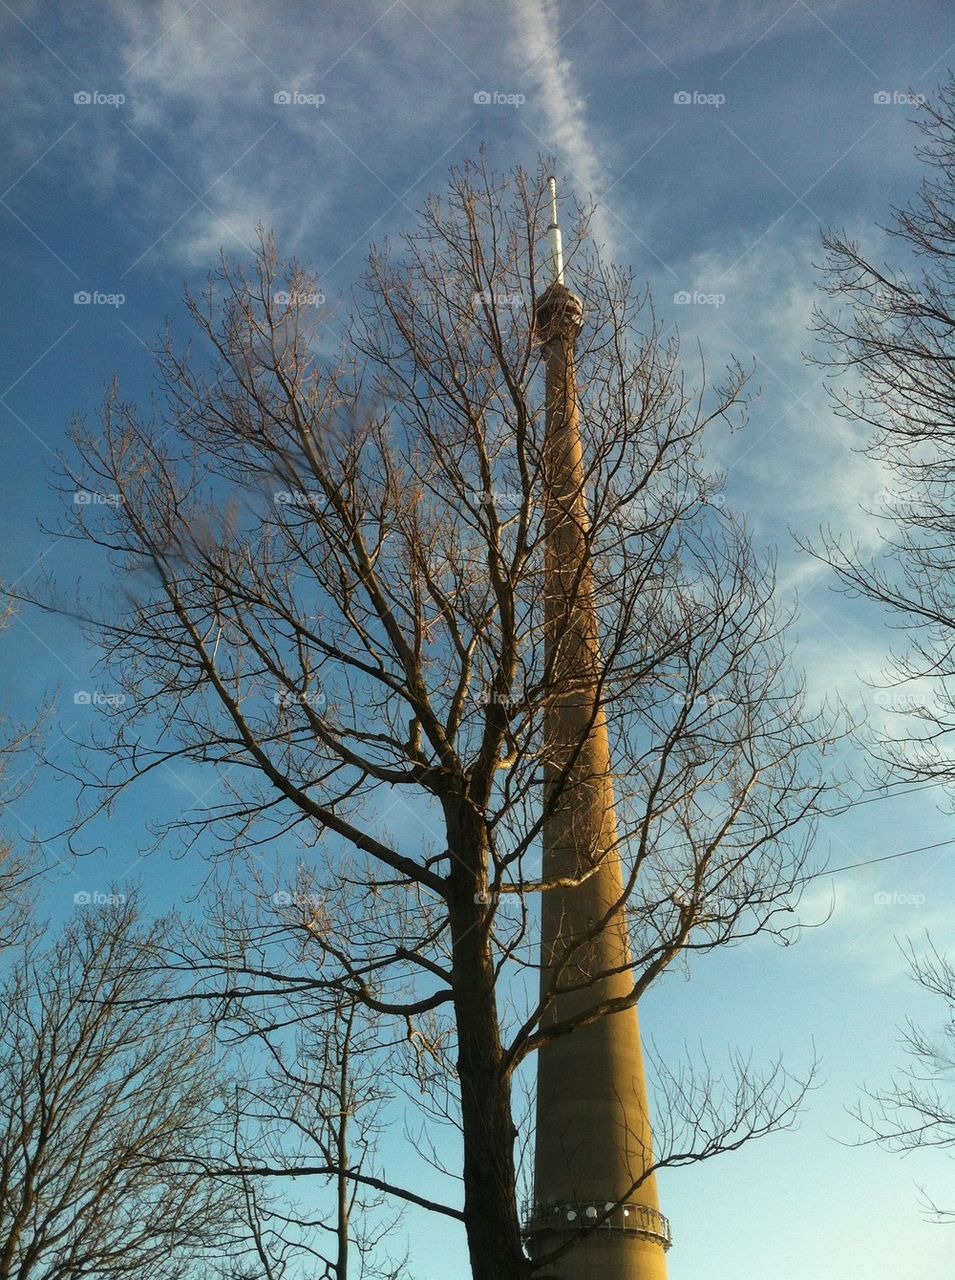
(538, 25)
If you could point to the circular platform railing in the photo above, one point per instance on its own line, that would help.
(635, 1219)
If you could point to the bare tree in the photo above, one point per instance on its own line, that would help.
(336, 581)
(917, 1110)
(101, 1101)
(310, 1100)
(21, 861)
(892, 330)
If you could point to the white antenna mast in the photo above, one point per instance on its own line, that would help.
(553, 236)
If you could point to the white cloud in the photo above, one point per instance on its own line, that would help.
(797, 465)
(201, 82)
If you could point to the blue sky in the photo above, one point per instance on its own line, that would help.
(718, 139)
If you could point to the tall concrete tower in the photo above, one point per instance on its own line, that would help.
(593, 1127)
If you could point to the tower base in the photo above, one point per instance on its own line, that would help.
(606, 1256)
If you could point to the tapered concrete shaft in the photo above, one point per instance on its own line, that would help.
(593, 1128)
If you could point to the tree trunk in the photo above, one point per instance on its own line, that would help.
(490, 1190)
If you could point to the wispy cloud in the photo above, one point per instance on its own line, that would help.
(878, 910)
(708, 27)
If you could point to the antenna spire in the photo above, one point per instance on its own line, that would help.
(553, 237)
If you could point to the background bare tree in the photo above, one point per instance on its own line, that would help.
(21, 861)
(336, 579)
(310, 1101)
(917, 1110)
(892, 329)
(101, 1101)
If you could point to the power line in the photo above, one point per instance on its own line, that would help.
(869, 862)
(904, 790)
